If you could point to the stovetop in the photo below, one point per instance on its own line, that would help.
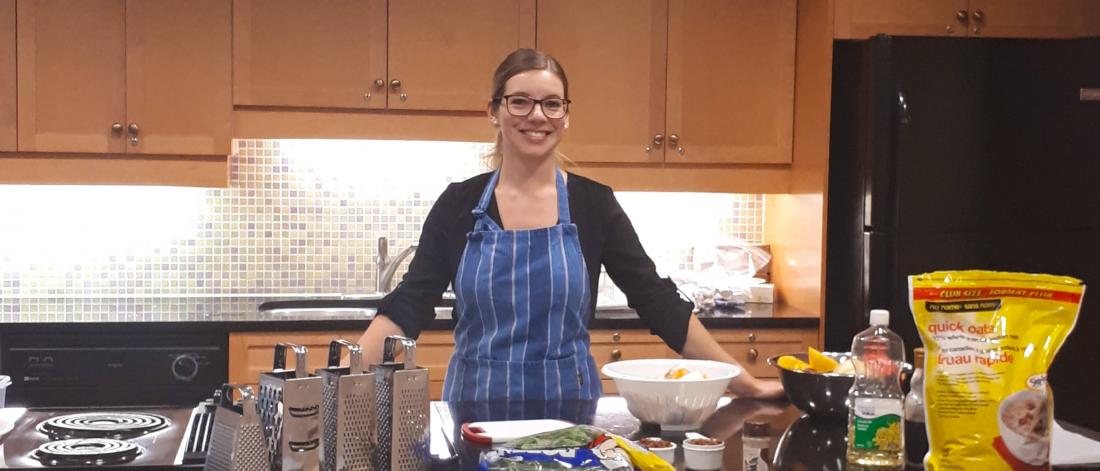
(137, 438)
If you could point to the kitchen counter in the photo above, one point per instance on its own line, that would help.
(797, 442)
(240, 313)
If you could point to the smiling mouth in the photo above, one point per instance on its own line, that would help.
(536, 133)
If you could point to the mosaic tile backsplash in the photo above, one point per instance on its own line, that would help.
(299, 217)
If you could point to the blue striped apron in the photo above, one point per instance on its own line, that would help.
(521, 311)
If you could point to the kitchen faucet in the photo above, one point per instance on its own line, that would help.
(386, 266)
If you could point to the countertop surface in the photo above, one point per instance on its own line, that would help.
(797, 442)
(242, 313)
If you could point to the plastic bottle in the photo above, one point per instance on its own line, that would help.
(916, 436)
(876, 437)
(756, 440)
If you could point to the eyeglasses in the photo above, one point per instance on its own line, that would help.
(522, 105)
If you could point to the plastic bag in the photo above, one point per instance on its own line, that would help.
(722, 273)
(990, 338)
(581, 447)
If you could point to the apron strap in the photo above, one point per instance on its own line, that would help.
(482, 221)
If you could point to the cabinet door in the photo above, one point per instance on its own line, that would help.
(442, 53)
(178, 76)
(617, 87)
(1027, 19)
(859, 19)
(309, 54)
(730, 81)
(71, 85)
(7, 75)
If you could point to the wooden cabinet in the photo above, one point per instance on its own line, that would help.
(750, 347)
(614, 345)
(115, 76)
(985, 18)
(251, 353)
(423, 55)
(7, 76)
(675, 81)
(753, 347)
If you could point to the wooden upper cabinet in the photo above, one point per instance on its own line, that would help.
(309, 54)
(1028, 19)
(8, 129)
(118, 76)
(857, 19)
(424, 55)
(72, 83)
(178, 75)
(730, 81)
(442, 53)
(618, 88)
(674, 81)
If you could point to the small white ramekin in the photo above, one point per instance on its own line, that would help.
(667, 453)
(703, 457)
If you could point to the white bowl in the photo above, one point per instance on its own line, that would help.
(675, 404)
(1031, 450)
(703, 456)
(667, 453)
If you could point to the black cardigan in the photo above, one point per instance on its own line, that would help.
(606, 235)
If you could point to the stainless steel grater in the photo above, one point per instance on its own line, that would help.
(237, 442)
(402, 390)
(349, 411)
(290, 410)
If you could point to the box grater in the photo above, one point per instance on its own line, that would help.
(237, 442)
(348, 411)
(403, 417)
(290, 410)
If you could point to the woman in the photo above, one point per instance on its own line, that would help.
(522, 246)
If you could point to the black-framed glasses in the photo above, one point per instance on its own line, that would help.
(523, 105)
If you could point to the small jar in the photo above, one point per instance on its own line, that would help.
(665, 449)
(756, 441)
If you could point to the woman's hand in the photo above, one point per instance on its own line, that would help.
(744, 385)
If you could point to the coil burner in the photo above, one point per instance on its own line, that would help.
(114, 425)
(86, 452)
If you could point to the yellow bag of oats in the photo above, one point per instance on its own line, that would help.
(989, 338)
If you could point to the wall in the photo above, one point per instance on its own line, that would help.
(298, 217)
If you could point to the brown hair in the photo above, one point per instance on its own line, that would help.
(519, 61)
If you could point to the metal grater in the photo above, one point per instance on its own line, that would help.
(348, 411)
(403, 417)
(290, 409)
(237, 442)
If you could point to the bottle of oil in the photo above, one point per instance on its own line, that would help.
(876, 436)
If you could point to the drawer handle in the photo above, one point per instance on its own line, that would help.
(752, 337)
(753, 353)
(616, 355)
(615, 337)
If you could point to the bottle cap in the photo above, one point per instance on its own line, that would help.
(918, 357)
(757, 429)
(880, 317)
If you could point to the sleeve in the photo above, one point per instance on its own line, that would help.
(411, 305)
(656, 299)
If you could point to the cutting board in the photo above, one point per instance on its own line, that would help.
(490, 433)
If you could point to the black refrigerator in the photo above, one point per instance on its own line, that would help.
(965, 153)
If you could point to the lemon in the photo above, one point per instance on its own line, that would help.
(821, 363)
(788, 362)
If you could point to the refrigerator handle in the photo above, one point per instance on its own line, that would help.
(903, 116)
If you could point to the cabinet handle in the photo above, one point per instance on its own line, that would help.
(674, 142)
(116, 128)
(379, 83)
(979, 15)
(133, 128)
(395, 85)
(616, 355)
(752, 337)
(615, 337)
(753, 353)
(963, 16)
(658, 139)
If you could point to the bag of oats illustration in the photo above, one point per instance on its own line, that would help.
(989, 339)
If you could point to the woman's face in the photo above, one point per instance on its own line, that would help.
(533, 135)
